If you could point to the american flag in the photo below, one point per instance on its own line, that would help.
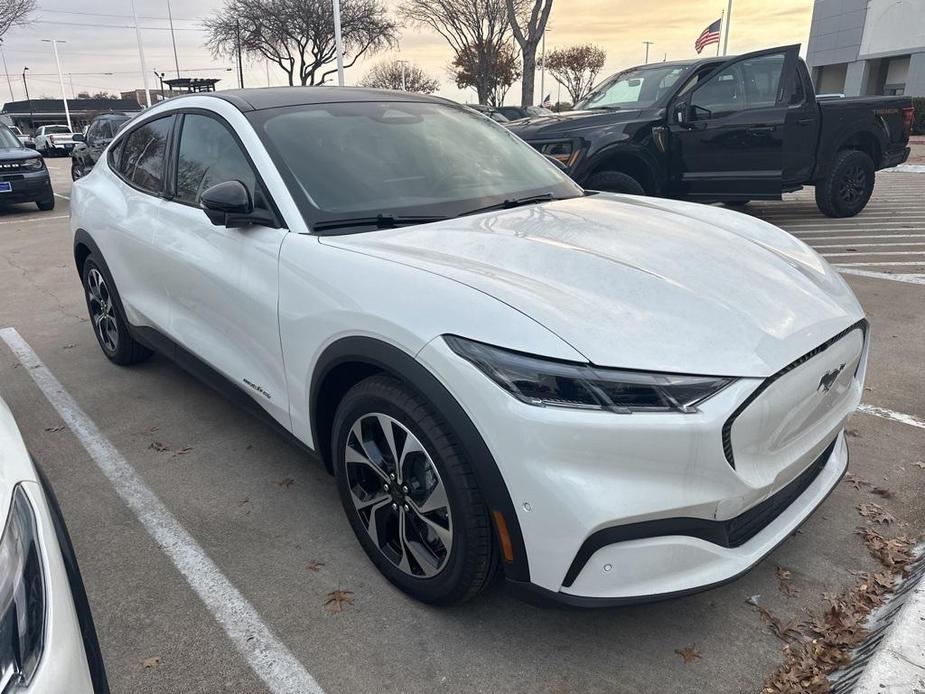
(547, 102)
(708, 36)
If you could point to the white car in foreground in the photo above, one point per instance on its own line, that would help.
(47, 638)
(615, 398)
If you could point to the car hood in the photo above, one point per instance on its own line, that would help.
(571, 123)
(17, 154)
(15, 464)
(638, 282)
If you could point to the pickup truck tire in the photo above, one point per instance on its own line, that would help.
(849, 185)
(615, 182)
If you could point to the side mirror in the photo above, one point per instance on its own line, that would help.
(227, 204)
(78, 137)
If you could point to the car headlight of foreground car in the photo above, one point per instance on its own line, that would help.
(550, 383)
(22, 596)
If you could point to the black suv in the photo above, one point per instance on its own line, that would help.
(90, 145)
(23, 176)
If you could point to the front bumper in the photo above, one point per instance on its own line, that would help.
(616, 509)
(27, 187)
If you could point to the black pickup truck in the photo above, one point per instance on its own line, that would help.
(727, 129)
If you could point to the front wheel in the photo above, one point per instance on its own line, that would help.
(615, 182)
(849, 185)
(76, 170)
(409, 493)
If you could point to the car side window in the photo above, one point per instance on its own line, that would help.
(747, 84)
(209, 154)
(93, 132)
(143, 155)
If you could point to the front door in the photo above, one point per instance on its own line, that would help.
(727, 134)
(222, 283)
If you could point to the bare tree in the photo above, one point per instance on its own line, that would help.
(391, 75)
(15, 13)
(500, 70)
(576, 68)
(478, 28)
(528, 22)
(298, 35)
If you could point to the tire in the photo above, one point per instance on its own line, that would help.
(76, 171)
(449, 558)
(615, 182)
(46, 205)
(107, 316)
(736, 203)
(849, 185)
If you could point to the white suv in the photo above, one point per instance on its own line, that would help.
(615, 398)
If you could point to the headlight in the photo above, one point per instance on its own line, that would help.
(563, 151)
(34, 164)
(548, 383)
(22, 596)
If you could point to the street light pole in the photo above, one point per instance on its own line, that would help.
(338, 44)
(402, 63)
(67, 113)
(728, 26)
(160, 77)
(26, 87)
(141, 57)
(173, 40)
(543, 67)
(648, 43)
(6, 71)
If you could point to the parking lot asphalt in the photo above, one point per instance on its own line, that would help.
(269, 518)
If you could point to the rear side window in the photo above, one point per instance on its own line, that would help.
(143, 155)
(209, 155)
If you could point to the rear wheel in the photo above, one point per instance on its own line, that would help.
(849, 185)
(106, 315)
(615, 182)
(409, 493)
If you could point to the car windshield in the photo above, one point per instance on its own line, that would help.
(636, 88)
(16, 131)
(360, 159)
(56, 129)
(8, 140)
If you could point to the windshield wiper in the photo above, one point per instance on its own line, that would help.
(380, 221)
(605, 108)
(515, 202)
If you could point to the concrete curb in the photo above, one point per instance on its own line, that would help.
(892, 658)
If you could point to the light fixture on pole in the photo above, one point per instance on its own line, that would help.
(338, 44)
(67, 113)
(648, 43)
(160, 77)
(141, 57)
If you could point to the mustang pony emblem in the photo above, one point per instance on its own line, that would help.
(828, 379)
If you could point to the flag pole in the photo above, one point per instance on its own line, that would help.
(728, 26)
(722, 26)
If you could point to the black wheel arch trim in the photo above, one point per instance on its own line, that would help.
(78, 592)
(392, 360)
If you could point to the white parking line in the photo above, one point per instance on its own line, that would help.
(871, 245)
(908, 278)
(267, 655)
(867, 253)
(871, 236)
(62, 195)
(32, 220)
(891, 415)
(884, 263)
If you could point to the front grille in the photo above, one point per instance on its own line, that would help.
(727, 427)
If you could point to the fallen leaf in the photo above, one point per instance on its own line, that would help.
(919, 464)
(286, 482)
(151, 663)
(337, 599)
(70, 346)
(785, 631)
(54, 429)
(314, 565)
(883, 492)
(875, 513)
(783, 582)
(158, 446)
(753, 599)
(894, 553)
(856, 482)
(688, 653)
(184, 450)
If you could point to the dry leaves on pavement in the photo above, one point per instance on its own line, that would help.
(151, 663)
(894, 553)
(783, 582)
(875, 513)
(688, 653)
(158, 446)
(337, 599)
(314, 565)
(285, 482)
(856, 482)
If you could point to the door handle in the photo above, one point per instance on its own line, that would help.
(761, 130)
(805, 121)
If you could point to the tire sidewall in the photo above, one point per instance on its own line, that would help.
(615, 182)
(122, 353)
(854, 158)
(436, 589)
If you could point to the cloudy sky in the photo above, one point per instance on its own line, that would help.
(101, 53)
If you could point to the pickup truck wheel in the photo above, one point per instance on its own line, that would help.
(615, 182)
(849, 185)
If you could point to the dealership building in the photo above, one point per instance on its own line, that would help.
(868, 47)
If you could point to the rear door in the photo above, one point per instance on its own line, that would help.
(727, 133)
(222, 283)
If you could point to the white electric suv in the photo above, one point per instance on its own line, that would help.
(615, 398)
(47, 639)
